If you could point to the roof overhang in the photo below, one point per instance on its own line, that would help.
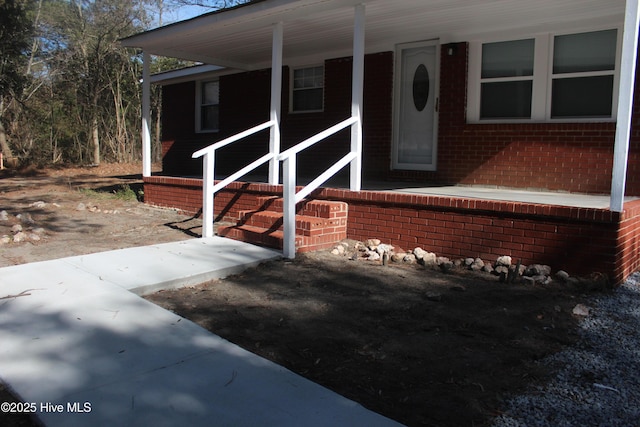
(241, 37)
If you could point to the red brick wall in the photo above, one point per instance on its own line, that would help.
(178, 111)
(179, 139)
(578, 240)
(574, 157)
(244, 102)
(378, 89)
(628, 249)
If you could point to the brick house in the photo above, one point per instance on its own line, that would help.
(500, 94)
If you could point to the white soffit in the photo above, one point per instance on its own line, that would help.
(241, 37)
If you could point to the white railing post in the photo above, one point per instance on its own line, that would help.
(357, 85)
(207, 194)
(290, 197)
(289, 207)
(146, 115)
(208, 172)
(625, 105)
(276, 95)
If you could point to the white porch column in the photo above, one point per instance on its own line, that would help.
(357, 89)
(625, 105)
(276, 95)
(208, 166)
(146, 115)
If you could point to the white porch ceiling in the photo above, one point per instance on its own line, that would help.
(241, 38)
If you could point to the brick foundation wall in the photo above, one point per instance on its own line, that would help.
(185, 194)
(628, 249)
(578, 240)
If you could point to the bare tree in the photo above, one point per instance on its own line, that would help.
(212, 4)
(15, 35)
(87, 57)
(68, 91)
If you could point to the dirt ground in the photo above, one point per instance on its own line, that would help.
(76, 211)
(420, 346)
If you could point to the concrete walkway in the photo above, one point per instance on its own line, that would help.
(81, 349)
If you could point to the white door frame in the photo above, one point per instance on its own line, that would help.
(395, 163)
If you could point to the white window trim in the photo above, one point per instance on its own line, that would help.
(198, 121)
(291, 78)
(542, 79)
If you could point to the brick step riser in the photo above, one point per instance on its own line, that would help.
(306, 226)
(274, 239)
(316, 208)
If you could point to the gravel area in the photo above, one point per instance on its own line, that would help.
(598, 380)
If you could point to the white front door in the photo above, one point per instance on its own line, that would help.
(416, 94)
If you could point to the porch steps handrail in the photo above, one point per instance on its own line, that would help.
(208, 175)
(290, 196)
(213, 147)
(242, 172)
(317, 138)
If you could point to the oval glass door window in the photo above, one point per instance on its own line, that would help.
(420, 87)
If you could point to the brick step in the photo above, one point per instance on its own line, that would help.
(305, 225)
(316, 208)
(275, 238)
(257, 235)
(320, 224)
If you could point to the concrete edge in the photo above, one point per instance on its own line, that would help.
(197, 279)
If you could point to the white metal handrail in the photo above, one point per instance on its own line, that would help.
(317, 138)
(213, 147)
(291, 198)
(208, 175)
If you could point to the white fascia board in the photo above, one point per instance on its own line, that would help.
(205, 59)
(184, 74)
(197, 77)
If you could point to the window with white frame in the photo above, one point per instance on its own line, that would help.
(208, 100)
(307, 89)
(544, 78)
(507, 79)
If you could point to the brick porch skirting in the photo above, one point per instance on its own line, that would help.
(579, 240)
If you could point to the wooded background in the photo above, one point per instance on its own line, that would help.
(69, 93)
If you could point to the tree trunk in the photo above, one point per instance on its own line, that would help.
(95, 139)
(4, 145)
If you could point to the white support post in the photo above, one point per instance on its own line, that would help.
(276, 95)
(357, 85)
(289, 207)
(207, 194)
(146, 115)
(625, 105)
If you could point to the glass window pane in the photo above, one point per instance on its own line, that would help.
(575, 53)
(298, 79)
(209, 118)
(582, 97)
(506, 100)
(308, 78)
(307, 100)
(508, 59)
(210, 93)
(308, 89)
